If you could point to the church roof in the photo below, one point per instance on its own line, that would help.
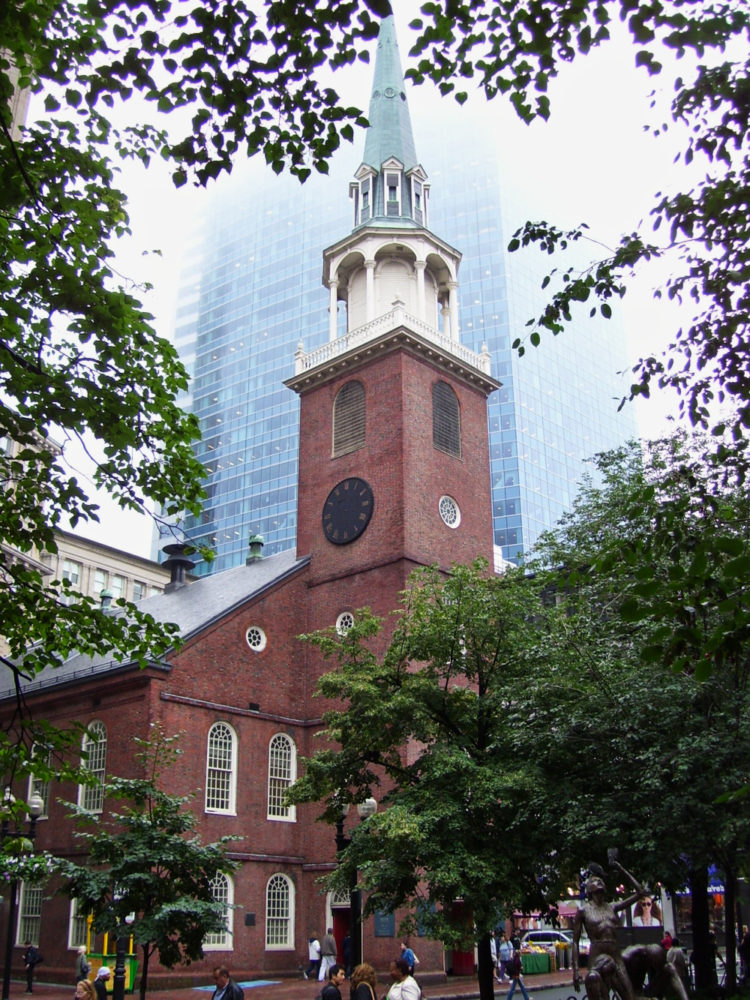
(192, 608)
(390, 133)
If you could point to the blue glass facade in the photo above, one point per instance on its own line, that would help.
(252, 290)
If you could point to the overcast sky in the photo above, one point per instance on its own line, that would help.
(592, 161)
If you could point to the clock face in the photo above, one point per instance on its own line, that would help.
(347, 511)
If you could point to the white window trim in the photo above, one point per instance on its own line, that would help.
(344, 622)
(262, 642)
(227, 943)
(84, 789)
(23, 916)
(289, 944)
(291, 811)
(448, 502)
(231, 809)
(72, 943)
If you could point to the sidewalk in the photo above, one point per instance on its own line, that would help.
(462, 987)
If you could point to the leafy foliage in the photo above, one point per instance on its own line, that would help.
(146, 862)
(653, 732)
(517, 727)
(429, 730)
(671, 541)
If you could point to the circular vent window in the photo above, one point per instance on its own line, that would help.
(449, 511)
(256, 638)
(344, 622)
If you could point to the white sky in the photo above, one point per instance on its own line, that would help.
(592, 161)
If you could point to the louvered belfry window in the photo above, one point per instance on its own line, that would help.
(446, 420)
(349, 419)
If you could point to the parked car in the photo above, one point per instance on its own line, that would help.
(548, 938)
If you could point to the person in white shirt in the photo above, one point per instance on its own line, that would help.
(404, 986)
(313, 957)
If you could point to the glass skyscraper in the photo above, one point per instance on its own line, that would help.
(251, 291)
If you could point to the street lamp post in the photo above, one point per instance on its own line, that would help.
(35, 807)
(123, 933)
(365, 809)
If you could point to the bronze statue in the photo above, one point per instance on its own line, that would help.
(652, 960)
(606, 969)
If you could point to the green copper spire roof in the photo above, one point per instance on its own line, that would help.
(390, 131)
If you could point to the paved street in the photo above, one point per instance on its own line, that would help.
(463, 988)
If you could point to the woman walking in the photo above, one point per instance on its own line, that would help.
(514, 970)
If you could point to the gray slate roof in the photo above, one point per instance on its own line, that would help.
(192, 608)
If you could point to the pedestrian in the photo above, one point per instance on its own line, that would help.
(327, 954)
(31, 958)
(346, 954)
(744, 950)
(716, 956)
(226, 988)
(403, 987)
(504, 955)
(332, 989)
(100, 983)
(313, 957)
(85, 990)
(676, 956)
(363, 983)
(515, 972)
(409, 957)
(82, 964)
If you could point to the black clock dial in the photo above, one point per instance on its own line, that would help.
(347, 511)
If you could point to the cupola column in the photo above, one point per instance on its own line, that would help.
(421, 305)
(370, 290)
(453, 306)
(333, 321)
(446, 317)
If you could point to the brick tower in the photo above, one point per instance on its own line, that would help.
(393, 454)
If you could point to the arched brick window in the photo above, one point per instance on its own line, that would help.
(94, 761)
(282, 771)
(221, 769)
(222, 890)
(279, 913)
(349, 418)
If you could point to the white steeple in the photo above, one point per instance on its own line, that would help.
(391, 270)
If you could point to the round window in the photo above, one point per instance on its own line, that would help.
(344, 622)
(256, 638)
(449, 511)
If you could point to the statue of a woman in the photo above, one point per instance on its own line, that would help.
(606, 969)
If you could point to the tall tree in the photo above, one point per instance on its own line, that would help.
(146, 862)
(520, 726)
(654, 586)
(432, 726)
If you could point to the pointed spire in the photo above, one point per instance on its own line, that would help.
(390, 187)
(390, 133)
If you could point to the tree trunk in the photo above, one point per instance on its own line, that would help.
(144, 973)
(484, 969)
(702, 956)
(730, 931)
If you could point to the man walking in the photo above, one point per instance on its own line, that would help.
(226, 988)
(31, 958)
(327, 954)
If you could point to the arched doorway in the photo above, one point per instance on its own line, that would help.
(340, 907)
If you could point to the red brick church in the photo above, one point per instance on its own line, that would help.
(393, 475)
